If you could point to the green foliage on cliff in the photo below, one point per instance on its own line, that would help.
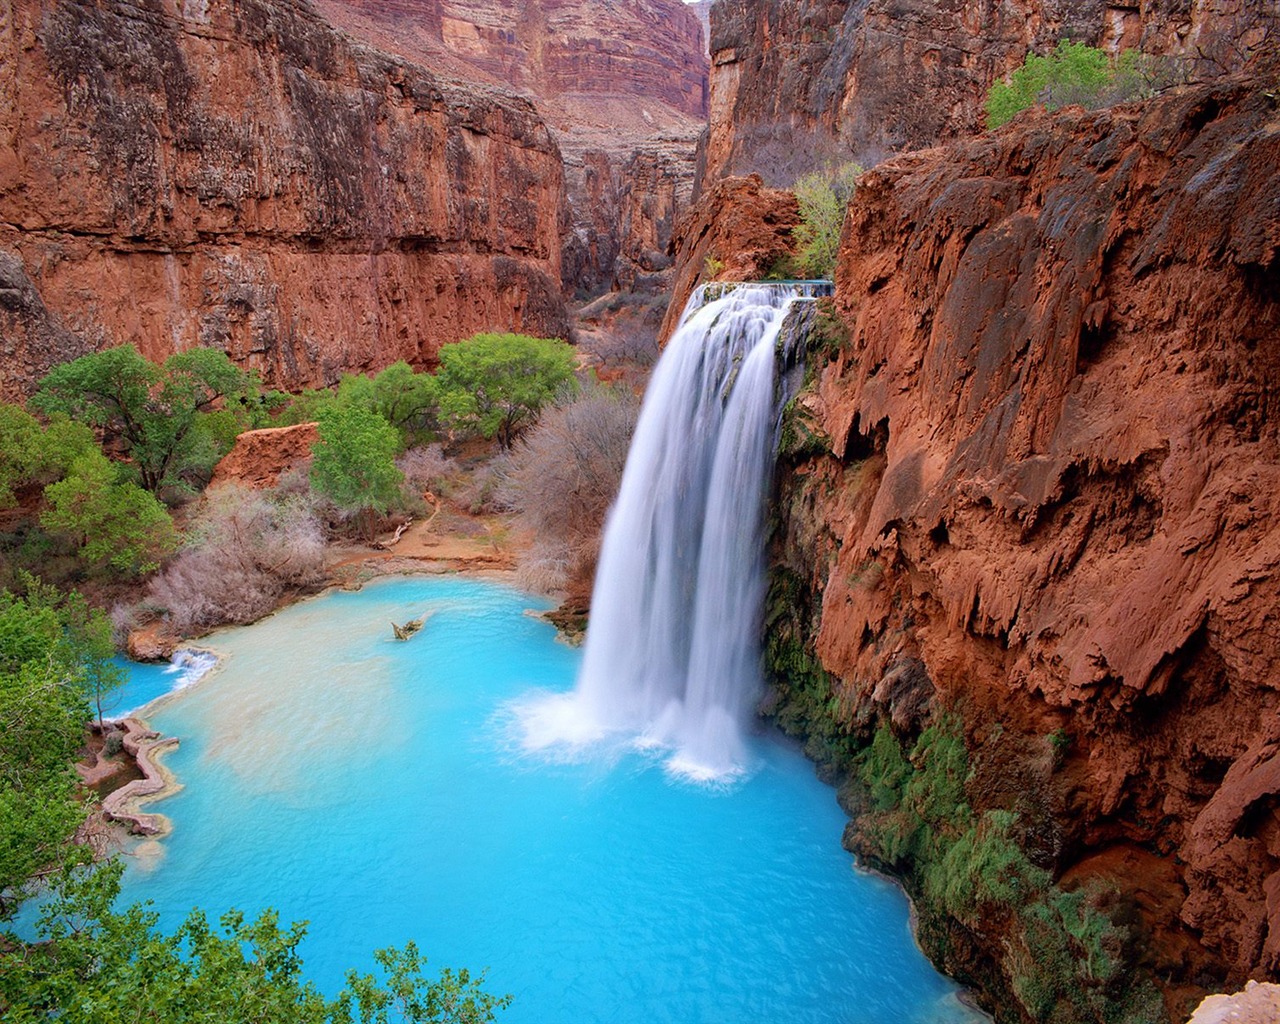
(823, 198)
(1074, 74)
(163, 416)
(1062, 957)
(1065, 949)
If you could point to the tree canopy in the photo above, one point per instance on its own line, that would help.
(353, 463)
(110, 524)
(495, 384)
(162, 414)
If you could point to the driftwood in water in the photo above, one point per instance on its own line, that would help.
(408, 629)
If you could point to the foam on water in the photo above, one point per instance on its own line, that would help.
(147, 684)
(375, 789)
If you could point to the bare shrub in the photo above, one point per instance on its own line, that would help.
(563, 477)
(543, 568)
(246, 550)
(125, 618)
(425, 468)
(484, 490)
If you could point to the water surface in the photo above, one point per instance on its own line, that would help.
(378, 789)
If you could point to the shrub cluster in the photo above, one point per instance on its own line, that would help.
(1076, 74)
(823, 197)
(246, 550)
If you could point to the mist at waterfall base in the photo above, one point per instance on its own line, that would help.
(673, 651)
(380, 790)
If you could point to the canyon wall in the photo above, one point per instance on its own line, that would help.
(799, 84)
(623, 88)
(177, 173)
(1036, 492)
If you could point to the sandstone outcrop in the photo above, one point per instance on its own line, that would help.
(622, 86)
(259, 457)
(244, 177)
(737, 231)
(1049, 501)
(796, 84)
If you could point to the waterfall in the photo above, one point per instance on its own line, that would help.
(672, 652)
(672, 657)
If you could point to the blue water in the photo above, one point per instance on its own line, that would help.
(146, 683)
(378, 789)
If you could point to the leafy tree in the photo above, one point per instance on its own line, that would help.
(823, 198)
(407, 400)
(161, 413)
(1074, 74)
(43, 706)
(115, 525)
(33, 453)
(495, 384)
(353, 463)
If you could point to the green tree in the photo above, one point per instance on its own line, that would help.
(1074, 74)
(407, 400)
(31, 452)
(495, 384)
(823, 198)
(353, 463)
(115, 525)
(160, 413)
(43, 706)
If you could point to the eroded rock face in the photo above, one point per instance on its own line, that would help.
(796, 84)
(244, 177)
(737, 231)
(1052, 485)
(260, 457)
(623, 87)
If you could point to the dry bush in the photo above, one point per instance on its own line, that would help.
(544, 568)
(245, 551)
(425, 468)
(483, 491)
(563, 477)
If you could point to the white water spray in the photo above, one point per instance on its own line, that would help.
(673, 654)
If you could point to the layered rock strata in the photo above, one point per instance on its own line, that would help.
(622, 86)
(242, 176)
(796, 84)
(1041, 493)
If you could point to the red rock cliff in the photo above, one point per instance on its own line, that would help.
(799, 83)
(240, 175)
(622, 85)
(1050, 500)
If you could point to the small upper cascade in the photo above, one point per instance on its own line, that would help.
(672, 652)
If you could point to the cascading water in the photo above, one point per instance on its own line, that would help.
(672, 653)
